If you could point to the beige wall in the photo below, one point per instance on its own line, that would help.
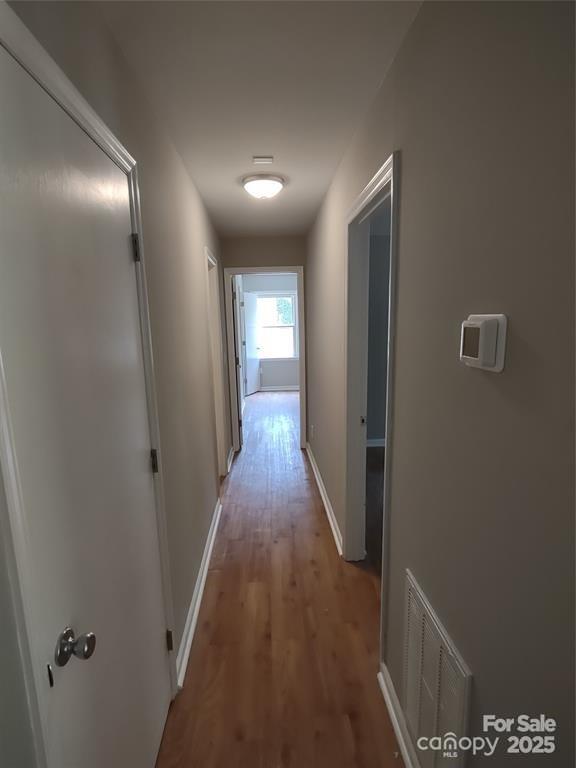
(176, 229)
(279, 373)
(479, 102)
(265, 251)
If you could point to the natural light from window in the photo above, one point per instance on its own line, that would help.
(276, 320)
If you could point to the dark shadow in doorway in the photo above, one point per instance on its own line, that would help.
(374, 506)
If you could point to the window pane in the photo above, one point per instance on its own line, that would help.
(266, 311)
(276, 342)
(275, 310)
(285, 310)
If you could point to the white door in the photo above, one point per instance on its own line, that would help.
(74, 394)
(252, 357)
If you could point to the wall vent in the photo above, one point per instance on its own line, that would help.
(436, 679)
(262, 159)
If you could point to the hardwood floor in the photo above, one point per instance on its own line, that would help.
(282, 672)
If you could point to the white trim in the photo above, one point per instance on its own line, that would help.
(210, 256)
(407, 750)
(230, 272)
(382, 176)
(266, 294)
(390, 375)
(302, 358)
(218, 377)
(325, 500)
(356, 355)
(153, 418)
(285, 388)
(236, 408)
(279, 359)
(230, 459)
(356, 352)
(194, 609)
(376, 442)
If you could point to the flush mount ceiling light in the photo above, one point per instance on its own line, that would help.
(263, 186)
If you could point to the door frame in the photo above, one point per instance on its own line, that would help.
(234, 316)
(246, 346)
(218, 377)
(18, 41)
(356, 353)
(229, 273)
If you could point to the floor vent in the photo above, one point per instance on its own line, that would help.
(436, 679)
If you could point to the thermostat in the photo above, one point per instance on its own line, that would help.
(483, 342)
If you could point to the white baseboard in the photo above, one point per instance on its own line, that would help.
(376, 442)
(407, 750)
(230, 459)
(286, 388)
(325, 500)
(192, 617)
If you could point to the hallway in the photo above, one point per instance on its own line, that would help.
(211, 205)
(283, 665)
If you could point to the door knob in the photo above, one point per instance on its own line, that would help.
(68, 644)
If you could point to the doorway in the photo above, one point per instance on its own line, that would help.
(372, 227)
(378, 294)
(266, 342)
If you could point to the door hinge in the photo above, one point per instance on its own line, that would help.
(241, 303)
(237, 360)
(240, 422)
(169, 640)
(154, 460)
(135, 238)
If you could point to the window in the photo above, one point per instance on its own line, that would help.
(276, 319)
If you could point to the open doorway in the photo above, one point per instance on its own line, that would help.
(379, 222)
(265, 328)
(372, 224)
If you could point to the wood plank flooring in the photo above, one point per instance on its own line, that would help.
(282, 672)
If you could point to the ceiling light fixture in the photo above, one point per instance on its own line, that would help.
(263, 186)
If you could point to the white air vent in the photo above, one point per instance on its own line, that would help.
(436, 679)
(262, 159)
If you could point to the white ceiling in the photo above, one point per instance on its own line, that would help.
(236, 79)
